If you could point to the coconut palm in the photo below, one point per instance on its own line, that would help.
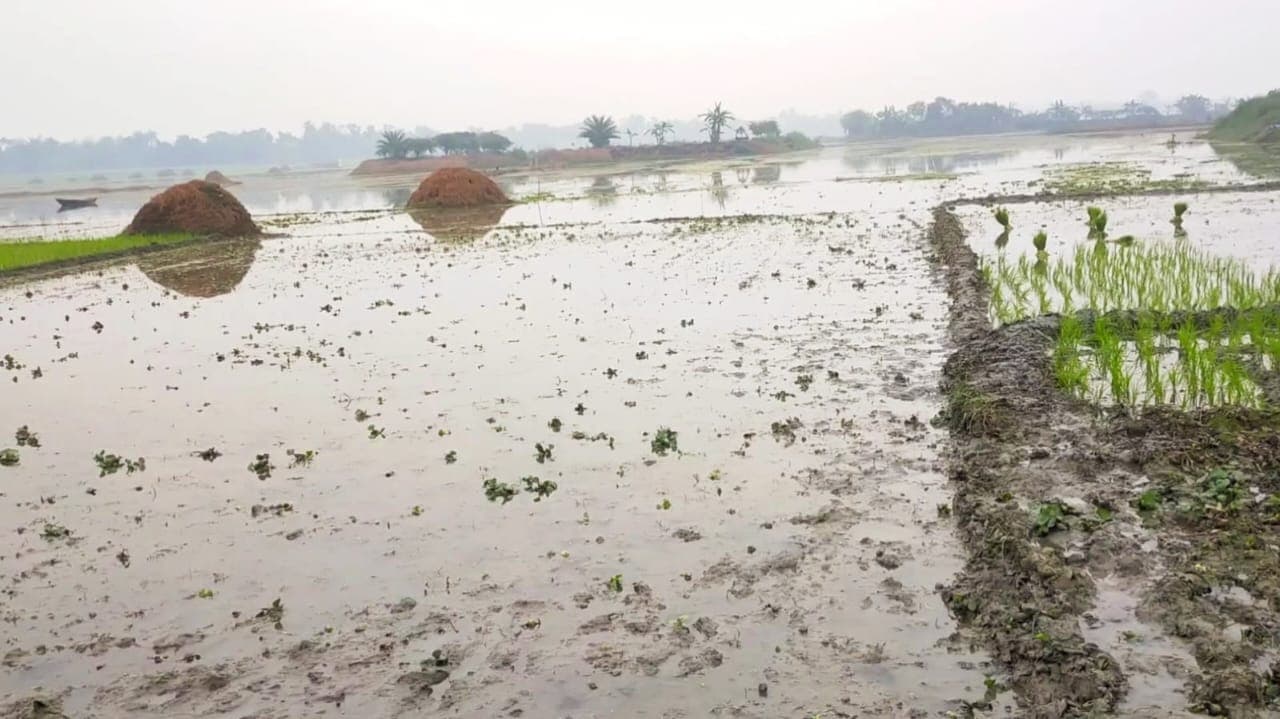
(394, 144)
(598, 130)
(419, 146)
(714, 121)
(660, 130)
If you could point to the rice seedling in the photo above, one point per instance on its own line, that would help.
(1134, 359)
(29, 253)
(1002, 216)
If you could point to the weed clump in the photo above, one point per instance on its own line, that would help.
(664, 440)
(495, 490)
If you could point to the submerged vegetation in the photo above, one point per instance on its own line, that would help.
(30, 253)
(1105, 178)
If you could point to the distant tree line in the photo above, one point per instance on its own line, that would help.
(321, 143)
(396, 145)
(601, 130)
(944, 116)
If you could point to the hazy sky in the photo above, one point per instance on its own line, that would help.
(77, 68)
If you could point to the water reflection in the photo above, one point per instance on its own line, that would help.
(603, 191)
(939, 163)
(203, 270)
(463, 224)
(766, 174)
(719, 192)
(1251, 159)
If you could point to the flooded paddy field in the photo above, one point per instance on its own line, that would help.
(654, 443)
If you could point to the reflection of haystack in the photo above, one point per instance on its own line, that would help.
(457, 187)
(196, 207)
(459, 224)
(201, 270)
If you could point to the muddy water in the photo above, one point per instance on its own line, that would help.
(763, 572)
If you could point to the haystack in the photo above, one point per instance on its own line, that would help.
(452, 187)
(220, 179)
(196, 207)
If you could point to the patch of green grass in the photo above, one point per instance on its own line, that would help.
(1251, 121)
(17, 254)
(1111, 178)
(972, 411)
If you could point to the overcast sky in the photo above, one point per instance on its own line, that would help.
(78, 68)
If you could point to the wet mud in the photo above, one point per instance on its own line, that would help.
(1149, 589)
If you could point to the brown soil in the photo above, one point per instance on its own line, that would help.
(220, 179)
(1203, 572)
(195, 207)
(453, 187)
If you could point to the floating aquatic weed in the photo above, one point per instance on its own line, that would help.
(542, 452)
(361, 415)
(26, 438)
(664, 440)
(55, 531)
(209, 454)
(376, 432)
(301, 459)
(495, 490)
(615, 583)
(262, 466)
(665, 504)
(9, 457)
(112, 463)
(450, 457)
(555, 424)
(539, 487)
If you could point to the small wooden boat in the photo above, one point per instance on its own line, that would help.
(67, 204)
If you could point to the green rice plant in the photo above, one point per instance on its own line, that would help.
(1097, 224)
(17, 254)
(1002, 216)
(1041, 240)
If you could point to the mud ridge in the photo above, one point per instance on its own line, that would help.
(1153, 501)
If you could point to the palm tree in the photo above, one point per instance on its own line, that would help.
(631, 137)
(598, 130)
(660, 130)
(715, 120)
(394, 144)
(419, 146)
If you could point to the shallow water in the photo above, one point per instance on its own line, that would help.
(782, 563)
(264, 347)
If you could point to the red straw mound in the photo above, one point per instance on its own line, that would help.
(196, 207)
(220, 179)
(457, 187)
